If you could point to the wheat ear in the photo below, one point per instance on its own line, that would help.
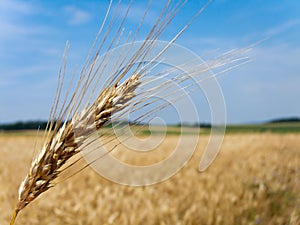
(60, 141)
(62, 145)
(78, 117)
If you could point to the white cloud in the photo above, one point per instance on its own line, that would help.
(29, 70)
(136, 13)
(77, 16)
(17, 7)
(266, 88)
(278, 58)
(282, 27)
(14, 20)
(17, 30)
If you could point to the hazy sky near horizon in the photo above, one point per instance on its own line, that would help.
(33, 35)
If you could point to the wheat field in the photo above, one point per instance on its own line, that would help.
(254, 180)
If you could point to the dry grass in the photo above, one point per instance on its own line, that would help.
(255, 180)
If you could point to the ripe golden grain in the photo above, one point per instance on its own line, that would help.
(254, 181)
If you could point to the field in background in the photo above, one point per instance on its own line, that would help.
(254, 180)
(280, 128)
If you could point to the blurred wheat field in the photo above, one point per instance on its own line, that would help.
(254, 180)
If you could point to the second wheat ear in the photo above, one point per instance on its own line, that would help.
(75, 117)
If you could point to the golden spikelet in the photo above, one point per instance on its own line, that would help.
(63, 144)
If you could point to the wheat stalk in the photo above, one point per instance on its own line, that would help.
(77, 117)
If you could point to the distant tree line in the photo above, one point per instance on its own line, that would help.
(202, 125)
(29, 125)
(286, 120)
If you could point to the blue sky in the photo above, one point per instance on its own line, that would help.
(33, 35)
